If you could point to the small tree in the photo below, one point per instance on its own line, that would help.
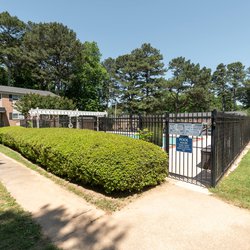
(30, 101)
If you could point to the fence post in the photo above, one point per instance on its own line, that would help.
(166, 142)
(97, 123)
(77, 121)
(106, 123)
(140, 122)
(37, 121)
(213, 148)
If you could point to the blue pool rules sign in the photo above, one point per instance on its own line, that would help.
(184, 144)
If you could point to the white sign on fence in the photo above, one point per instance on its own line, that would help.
(193, 129)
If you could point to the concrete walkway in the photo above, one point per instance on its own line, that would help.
(167, 217)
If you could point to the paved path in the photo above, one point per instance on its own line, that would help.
(167, 217)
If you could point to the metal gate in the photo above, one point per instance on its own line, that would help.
(189, 137)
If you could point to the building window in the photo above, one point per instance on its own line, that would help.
(17, 116)
(14, 116)
(14, 97)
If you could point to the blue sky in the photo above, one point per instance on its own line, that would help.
(206, 32)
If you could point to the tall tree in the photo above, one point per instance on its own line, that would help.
(139, 78)
(150, 70)
(188, 87)
(12, 31)
(221, 87)
(129, 87)
(244, 91)
(236, 76)
(112, 83)
(89, 89)
(199, 95)
(176, 86)
(52, 49)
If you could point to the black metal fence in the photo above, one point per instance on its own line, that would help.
(201, 146)
(231, 133)
(150, 128)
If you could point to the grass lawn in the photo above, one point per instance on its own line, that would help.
(106, 203)
(17, 229)
(235, 188)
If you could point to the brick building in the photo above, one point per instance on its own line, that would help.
(9, 116)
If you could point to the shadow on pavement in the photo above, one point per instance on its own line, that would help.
(84, 230)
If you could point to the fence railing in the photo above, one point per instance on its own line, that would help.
(231, 133)
(223, 137)
(150, 128)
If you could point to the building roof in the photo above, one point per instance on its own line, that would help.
(15, 90)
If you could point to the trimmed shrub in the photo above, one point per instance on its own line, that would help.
(112, 162)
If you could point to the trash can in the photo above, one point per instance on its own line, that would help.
(206, 157)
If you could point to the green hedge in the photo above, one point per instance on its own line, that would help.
(112, 162)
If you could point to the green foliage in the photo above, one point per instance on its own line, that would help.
(244, 91)
(149, 70)
(235, 76)
(221, 87)
(112, 87)
(109, 204)
(89, 88)
(129, 89)
(248, 111)
(199, 100)
(189, 86)
(11, 34)
(30, 124)
(30, 101)
(3, 76)
(136, 79)
(91, 158)
(145, 134)
(52, 50)
(230, 85)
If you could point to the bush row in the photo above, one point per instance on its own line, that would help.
(112, 162)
